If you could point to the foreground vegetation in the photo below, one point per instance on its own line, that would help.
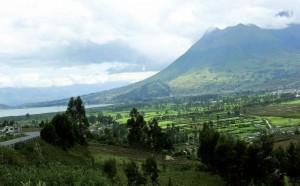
(39, 162)
(208, 140)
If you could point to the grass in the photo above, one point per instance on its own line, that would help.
(39, 162)
(181, 171)
(30, 129)
(190, 177)
(285, 141)
(283, 122)
(195, 79)
(277, 110)
(293, 102)
(10, 137)
(165, 123)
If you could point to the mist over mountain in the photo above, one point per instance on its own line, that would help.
(90, 52)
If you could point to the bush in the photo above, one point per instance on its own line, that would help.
(9, 156)
(150, 169)
(48, 133)
(59, 132)
(54, 174)
(110, 168)
(64, 130)
(133, 174)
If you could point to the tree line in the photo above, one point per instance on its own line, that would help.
(150, 135)
(239, 163)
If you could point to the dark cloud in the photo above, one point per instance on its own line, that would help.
(284, 13)
(84, 53)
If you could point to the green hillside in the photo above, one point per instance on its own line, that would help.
(238, 58)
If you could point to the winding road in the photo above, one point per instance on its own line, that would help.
(28, 136)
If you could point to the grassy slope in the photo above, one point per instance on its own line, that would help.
(285, 116)
(182, 171)
(39, 161)
(258, 73)
(276, 110)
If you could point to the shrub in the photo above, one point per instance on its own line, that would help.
(150, 169)
(64, 130)
(10, 157)
(48, 133)
(110, 168)
(133, 174)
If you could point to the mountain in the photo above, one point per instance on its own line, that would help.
(20, 96)
(2, 106)
(238, 58)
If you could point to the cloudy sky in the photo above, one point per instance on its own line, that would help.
(46, 43)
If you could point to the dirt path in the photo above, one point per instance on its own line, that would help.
(28, 136)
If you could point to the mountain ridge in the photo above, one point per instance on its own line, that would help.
(237, 58)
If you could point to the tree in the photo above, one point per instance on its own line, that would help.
(157, 139)
(27, 115)
(110, 168)
(99, 116)
(59, 131)
(118, 116)
(223, 157)
(170, 183)
(42, 124)
(137, 129)
(64, 130)
(134, 177)
(292, 165)
(154, 135)
(76, 113)
(92, 119)
(150, 169)
(208, 140)
(48, 133)
(81, 114)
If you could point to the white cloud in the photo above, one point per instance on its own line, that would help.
(160, 29)
(65, 76)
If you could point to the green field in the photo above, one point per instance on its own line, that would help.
(293, 102)
(283, 122)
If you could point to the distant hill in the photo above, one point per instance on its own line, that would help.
(2, 106)
(19, 96)
(238, 58)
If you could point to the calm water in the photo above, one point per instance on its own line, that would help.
(38, 110)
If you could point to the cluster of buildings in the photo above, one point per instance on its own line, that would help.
(10, 130)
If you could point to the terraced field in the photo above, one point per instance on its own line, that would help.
(285, 116)
(286, 110)
(192, 120)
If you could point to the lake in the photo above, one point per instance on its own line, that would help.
(39, 110)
